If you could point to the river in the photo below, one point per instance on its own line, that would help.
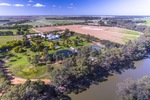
(107, 90)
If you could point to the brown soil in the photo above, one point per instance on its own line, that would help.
(107, 33)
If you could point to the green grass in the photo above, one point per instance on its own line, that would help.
(126, 39)
(2, 80)
(130, 32)
(72, 37)
(31, 31)
(20, 66)
(5, 39)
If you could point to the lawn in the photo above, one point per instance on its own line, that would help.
(5, 39)
(20, 66)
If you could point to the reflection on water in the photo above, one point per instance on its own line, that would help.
(107, 90)
(96, 47)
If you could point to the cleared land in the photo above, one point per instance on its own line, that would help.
(113, 34)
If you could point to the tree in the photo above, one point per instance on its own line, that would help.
(52, 45)
(18, 49)
(19, 30)
(135, 90)
(49, 68)
(45, 54)
(35, 60)
(67, 31)
(101, 23)
(24, 37)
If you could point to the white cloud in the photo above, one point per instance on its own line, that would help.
(18, 5)
(5, 4)
(54, 5)
(30, 1)
(39, 5)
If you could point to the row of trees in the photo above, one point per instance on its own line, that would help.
(2, 74)
(31, 91)
(18, 22)
(6, 33)
(72, 18)
(15, 26)
(10, 45)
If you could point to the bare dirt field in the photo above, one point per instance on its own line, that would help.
(113, 34)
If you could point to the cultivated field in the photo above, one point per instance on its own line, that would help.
(114, 34)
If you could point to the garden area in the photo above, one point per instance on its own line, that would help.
(36, 56)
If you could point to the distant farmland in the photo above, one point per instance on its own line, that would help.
(43, 22)
(114, 34)
(148, 22)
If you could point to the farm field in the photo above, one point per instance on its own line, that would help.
(145, 19)
(114, 34)
(148, 22)
(43, 22)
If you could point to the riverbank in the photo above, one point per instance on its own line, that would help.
(107, 90)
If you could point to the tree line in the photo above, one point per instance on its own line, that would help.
(72, 18)
(6, 33)
(18, 22)
(16, 26)
(30, 91)
(134, 89)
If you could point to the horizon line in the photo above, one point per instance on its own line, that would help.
(77, 15)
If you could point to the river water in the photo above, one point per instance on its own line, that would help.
(107, 90)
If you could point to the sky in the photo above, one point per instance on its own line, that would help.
(74, 7)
